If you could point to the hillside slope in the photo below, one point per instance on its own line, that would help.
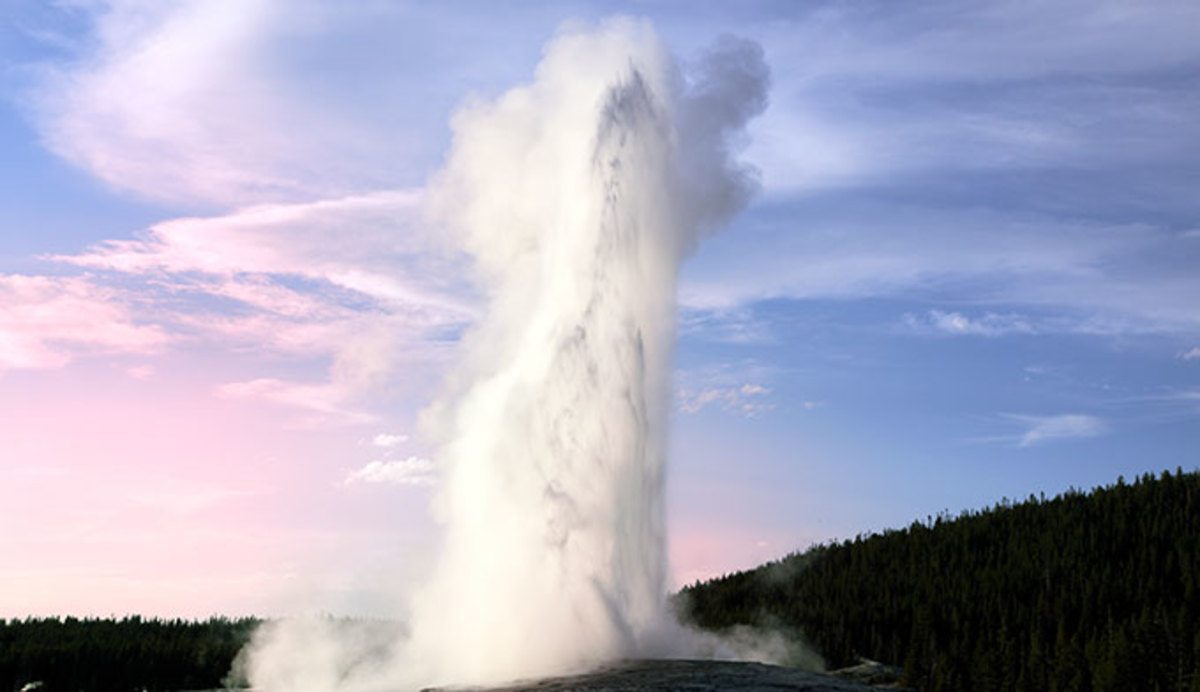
(1083, 591)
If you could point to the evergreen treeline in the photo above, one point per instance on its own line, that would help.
(1092, 591)
(133, 653)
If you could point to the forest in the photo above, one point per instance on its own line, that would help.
(1085, 591)
(127, 654)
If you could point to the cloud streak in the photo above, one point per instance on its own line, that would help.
(879, 94)
(748, 400)
(190, 102)
(957, 324)
(410, 471)
(374, 244)
(355, 280)
(1084, 277)
(45, 322)
(1044, 429)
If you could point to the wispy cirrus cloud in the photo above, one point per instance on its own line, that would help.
(879, 94)
(237, 102)
(747, 399)
(919, 155)
(1038, 274)
(956, 323)
(190, 102)
(354, 280)
(305, 266)
(992, 324)
(374, 244)
(212, 105)
(1043, 429)
(871, 249)
(45, 322)
(410, 471)
(743, 388)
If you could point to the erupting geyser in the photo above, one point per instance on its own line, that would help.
(578, 196)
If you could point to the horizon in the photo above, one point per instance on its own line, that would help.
(969, 274)
(928, 521)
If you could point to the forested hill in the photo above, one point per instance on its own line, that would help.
(1080, 592)
(132, 653)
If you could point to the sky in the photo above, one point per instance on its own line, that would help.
(971, 272)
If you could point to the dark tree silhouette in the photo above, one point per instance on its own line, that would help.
(1084, 591)
(127, 654)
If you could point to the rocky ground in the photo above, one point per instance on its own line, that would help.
(687, 676)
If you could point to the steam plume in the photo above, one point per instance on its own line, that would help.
(578, 196)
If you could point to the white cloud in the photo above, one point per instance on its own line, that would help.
(989, 324)
(1042, 429)
(410, 471)
(878, 93)
(747, 399)
(47, 321)
(389, 440)
(191, 101)
(1193, 354)
(214, 102)
(738, 387)
(939, 108)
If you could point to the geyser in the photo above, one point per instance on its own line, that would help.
(577, 195)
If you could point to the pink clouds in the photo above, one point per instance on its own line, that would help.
(351, 280)
(45, 321)
(249, 239)
(319, 259)
(316, 260)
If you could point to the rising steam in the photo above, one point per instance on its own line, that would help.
(578, 196)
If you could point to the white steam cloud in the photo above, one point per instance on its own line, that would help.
(578, 195)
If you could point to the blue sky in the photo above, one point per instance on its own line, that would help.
(972, 271)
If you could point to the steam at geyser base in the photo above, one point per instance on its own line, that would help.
(578, 196)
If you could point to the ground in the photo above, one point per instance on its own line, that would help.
(689, 676)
